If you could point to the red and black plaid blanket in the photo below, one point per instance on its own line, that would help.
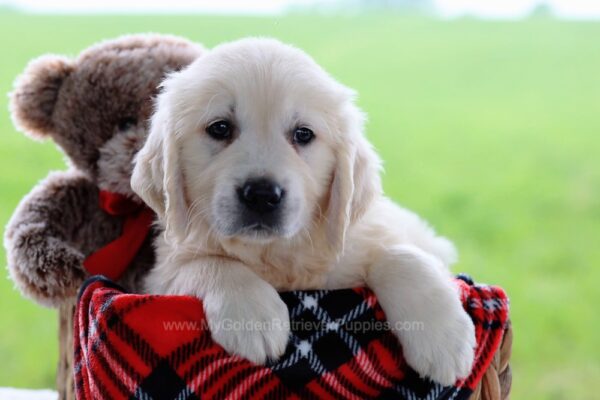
(130, 346)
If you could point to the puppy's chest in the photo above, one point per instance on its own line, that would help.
(291, 272)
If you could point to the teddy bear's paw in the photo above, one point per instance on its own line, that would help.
(46, 269)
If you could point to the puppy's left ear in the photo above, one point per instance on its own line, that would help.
(157, 177)
(356, 181)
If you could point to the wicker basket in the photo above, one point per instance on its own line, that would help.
(497, 380)
(64, 373)
(495, 384)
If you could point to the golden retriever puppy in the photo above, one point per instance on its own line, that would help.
(262, 179)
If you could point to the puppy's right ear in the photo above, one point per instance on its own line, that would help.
(156, 177)
(35, 93)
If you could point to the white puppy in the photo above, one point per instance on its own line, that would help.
(261, 177)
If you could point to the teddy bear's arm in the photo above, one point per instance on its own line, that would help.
(50, 234)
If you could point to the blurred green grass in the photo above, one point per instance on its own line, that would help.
(490, 130)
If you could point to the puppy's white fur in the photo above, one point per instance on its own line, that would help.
(337, 230)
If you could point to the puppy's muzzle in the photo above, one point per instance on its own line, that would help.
(260, 196)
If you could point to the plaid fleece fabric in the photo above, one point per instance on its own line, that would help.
(130, 346)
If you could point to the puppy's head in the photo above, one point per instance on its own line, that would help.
(255, 141)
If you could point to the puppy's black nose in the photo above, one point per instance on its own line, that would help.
(260, 195)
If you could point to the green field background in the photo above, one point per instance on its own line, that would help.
(490, 130)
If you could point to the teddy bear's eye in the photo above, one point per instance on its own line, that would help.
(126, 123)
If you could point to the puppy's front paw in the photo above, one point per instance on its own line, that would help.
(444, 350)
(252, 322)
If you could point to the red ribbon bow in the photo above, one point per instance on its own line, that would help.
(113, 259)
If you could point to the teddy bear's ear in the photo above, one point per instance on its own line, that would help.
(35, 93)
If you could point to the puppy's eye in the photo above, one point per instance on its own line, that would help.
(303, 136)
(126, 123)
(220, 130)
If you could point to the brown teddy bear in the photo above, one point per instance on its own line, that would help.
(95, 108)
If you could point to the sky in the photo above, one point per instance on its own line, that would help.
(493, 9)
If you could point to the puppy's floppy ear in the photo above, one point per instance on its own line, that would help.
(356, 180)
(35, 93)
(156, 177)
